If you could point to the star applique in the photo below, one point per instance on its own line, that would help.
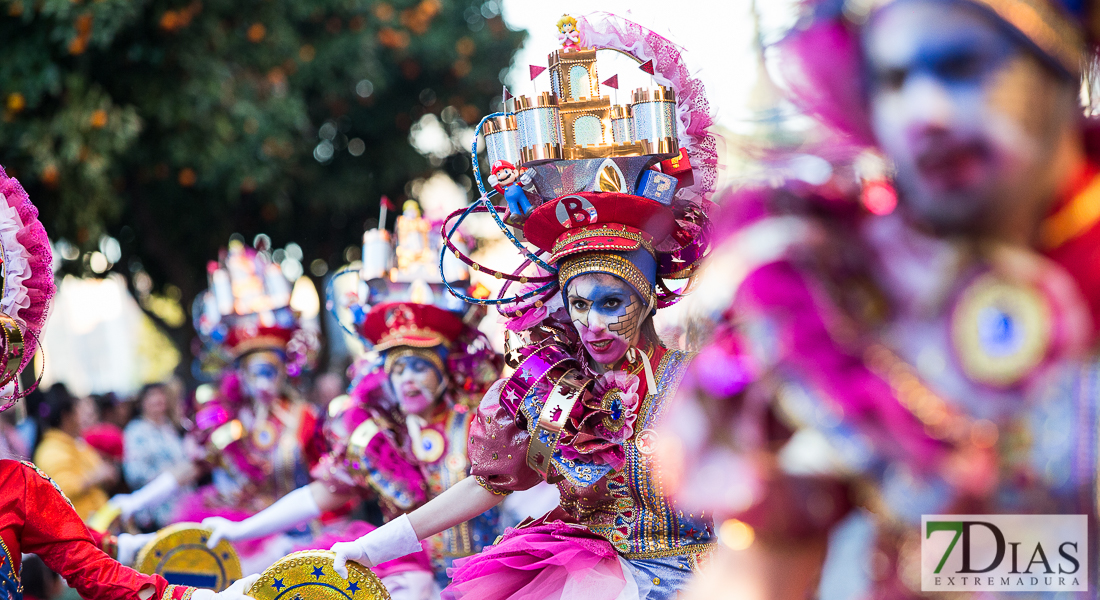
(353, 587)
(510, 395)
(278, 585)
(525, 373)
(317, 572)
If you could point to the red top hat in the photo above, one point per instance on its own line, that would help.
(410, 324)
(598, 221)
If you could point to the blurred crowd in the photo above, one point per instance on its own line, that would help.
(100, 445)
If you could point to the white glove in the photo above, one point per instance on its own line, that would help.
(155, 493)
(493, 181)
(291, 510)
(129, 545)
(526, 178)
(392, 540)
(235, 591)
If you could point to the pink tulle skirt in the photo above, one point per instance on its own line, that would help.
(548, 561)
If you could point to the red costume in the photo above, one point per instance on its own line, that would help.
(35, 517)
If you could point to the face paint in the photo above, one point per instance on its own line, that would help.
(263, 375)
(969, 116)
(416, 382)
(607, 313)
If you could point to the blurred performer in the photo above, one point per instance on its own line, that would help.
(591, 378)
(256, 435)
(400, 435)
(937, 356)
(35, 517)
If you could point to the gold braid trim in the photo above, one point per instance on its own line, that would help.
(603, 232)
(402, 351)
(612, 264)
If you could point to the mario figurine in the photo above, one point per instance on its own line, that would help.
(512, 183)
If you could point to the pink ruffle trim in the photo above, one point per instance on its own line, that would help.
(40, 284)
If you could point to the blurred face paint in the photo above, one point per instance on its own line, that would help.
(263, 375)
(969, 116)
(417, 384)
(607, 313)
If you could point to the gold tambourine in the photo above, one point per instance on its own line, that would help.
(1000, 330)
(179, 554)
(308, 575)
(107, 518)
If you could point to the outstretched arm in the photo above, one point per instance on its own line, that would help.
(462, 502)
(295, 508)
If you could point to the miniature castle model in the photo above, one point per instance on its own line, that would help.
(573, 122)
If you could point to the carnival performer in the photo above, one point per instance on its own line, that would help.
(592, 378)
(400, 435)
(937, 358)
(256, 436)
(35, 517)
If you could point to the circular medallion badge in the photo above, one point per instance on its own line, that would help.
(1000, 330)
(646, 441)
(575, 211)
(430, 447)
(264, 435)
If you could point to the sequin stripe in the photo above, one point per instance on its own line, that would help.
(671, 371)
(178, 592)
(43, 475)
(8, 576)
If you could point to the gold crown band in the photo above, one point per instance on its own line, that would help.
(603, 232)
(400, 352)
(612, 264)
(1039, 21)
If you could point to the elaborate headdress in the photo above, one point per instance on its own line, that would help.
(27, 283)
(402, 307)
(823, 63)
(616, 189)
(247, 308)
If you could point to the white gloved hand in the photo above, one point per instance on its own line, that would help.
(291, 510)
(129, 545)
(154, 493)
(236, 591)
(526, 177)
(392, 540)
(493, 180)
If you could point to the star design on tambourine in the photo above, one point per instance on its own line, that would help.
(308, 575)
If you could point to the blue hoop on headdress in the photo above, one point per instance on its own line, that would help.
(473, 151)
(486, 206)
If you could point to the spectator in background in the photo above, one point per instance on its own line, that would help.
(153, 445)
(113, 409)
(62, 453)
(106, 439)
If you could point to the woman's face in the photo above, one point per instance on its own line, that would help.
(968, 115)
(607, 313)
(154, 405)
(417, 384)
(263, 375)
